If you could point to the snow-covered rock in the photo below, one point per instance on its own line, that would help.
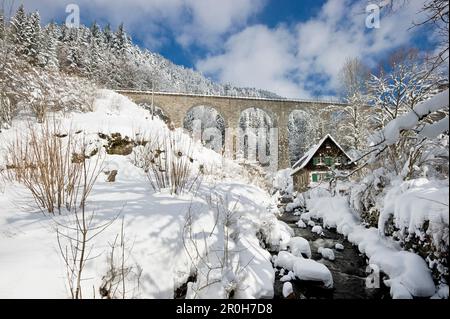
(299, 246)
(290, 276)
(277, 234)
(307, 269)
(301, 224)
(317, 230)
(339, 247)
(284, 260)
(287, 289)
(297, 203)
(442, 292)
(304, 269)
(326, 253)
(306, 217)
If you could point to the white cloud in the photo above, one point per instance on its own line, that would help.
(285, 60)
(202, 22)
(212, 19)
(258, 57)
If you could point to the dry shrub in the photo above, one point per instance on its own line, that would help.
(49, 165)
(168, 163)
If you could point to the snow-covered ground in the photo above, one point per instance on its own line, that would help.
(154, 222)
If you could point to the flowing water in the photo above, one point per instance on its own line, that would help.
(348, 268)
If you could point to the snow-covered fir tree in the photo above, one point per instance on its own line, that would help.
(18, 31)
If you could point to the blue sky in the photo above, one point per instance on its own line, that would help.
(292, 47)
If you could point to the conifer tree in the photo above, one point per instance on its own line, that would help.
(121, 41)
(34, 39)
(18, 31)
(107, 33)
(50, 47)
(96, 33)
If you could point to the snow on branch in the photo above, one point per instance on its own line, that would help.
(411, 119)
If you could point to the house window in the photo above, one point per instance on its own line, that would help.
(318, 160)
(328, 161)
(321, 177)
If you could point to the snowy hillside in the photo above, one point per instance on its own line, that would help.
(168, 237)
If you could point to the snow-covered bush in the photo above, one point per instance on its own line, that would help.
(283, 182)
(256, 175)
(365, 196)
(299, 202)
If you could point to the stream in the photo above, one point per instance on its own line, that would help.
(348, 268)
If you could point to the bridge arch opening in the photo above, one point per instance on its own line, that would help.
(302, 128)
(255, 135)
(205, 123)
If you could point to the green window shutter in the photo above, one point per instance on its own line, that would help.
(315, 160)
(328, 161)
(315, 178)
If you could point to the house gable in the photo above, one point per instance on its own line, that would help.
(325, 154)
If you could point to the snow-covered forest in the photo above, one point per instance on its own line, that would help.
(99, 199)
(85, 56)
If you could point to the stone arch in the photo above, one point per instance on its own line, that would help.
(301, 134)
(255, 135)
(206, 123)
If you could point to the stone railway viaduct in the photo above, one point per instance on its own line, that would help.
(176, 106)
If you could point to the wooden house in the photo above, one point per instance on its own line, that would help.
(317, 164)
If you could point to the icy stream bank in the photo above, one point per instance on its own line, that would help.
(348, 269)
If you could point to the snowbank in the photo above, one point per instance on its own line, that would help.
(412, 203)
(408, 273)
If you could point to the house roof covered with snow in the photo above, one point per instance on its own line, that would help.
(307, 157)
